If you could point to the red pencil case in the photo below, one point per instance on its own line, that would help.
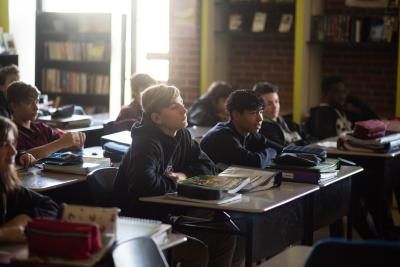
(62, 239)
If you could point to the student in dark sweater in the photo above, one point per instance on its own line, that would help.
(209, 109)
(329, 118)
(162, 152)
(275, 127)
(18, 205)
(8, 74)
(238, 141)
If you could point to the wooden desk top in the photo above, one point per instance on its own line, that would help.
(330, 145)
(261, 201)
(257, 202)
(38, 180)
(344, 172)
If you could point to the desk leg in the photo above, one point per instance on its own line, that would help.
(308, 227)
(249, 242)
(349, 226)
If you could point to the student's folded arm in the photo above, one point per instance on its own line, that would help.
(145, 176)
(228, 150)
(44, 150)
(32, 204)
(198, 162)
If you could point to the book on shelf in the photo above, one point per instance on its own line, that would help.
(286, 23)
(225, 198)
(235, 22)
(75, 121)
(228, 184)
(259, 22)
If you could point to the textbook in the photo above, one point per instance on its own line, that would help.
(258, 177)
(329, 165)
(75, 121)
(225, 198)
(228, 184)
(307, 177)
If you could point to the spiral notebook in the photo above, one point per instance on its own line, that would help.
(129, 228)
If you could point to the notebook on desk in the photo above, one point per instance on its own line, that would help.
(123, 138)
(129, 228)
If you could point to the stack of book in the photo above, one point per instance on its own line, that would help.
(385, 144)
(320, 174)
(223, 188)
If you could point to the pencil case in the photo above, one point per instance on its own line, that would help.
(62, 239)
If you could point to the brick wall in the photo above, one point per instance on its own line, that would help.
(184, 66)
(263, 58)
(369, 71)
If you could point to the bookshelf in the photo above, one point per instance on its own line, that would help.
(73, 58)
(325, 29)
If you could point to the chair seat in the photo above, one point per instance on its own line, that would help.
(291, 257)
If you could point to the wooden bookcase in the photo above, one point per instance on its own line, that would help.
(73, 58)
(311, 51)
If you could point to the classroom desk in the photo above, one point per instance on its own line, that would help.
(376, 188)
(95, 130)
(276, 218)
(61, 187)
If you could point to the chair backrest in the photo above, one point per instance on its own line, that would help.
(344, 253)
(101, 182)
(140, 251)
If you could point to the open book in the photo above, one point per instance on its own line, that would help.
(257, 177)
(229, 184)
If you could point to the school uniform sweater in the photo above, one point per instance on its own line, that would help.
(151, 155)
(224, 145)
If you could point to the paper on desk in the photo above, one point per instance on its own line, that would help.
(327, 144)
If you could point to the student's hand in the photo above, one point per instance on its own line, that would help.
(26, 160)
(12, 234)
(76, 139)
(176, 176)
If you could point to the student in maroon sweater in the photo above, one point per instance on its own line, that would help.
(37, 138)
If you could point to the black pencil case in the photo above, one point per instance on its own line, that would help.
(199, 192)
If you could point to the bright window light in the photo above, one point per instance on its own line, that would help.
(152, 39)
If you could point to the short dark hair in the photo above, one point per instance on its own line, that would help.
(141, 81)
(19, 91)
(241, 100)
(328, 82)
(263, 88)
(7, 70)
(218, 90)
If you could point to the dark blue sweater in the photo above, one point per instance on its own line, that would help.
(151, 154)
(223, 144)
